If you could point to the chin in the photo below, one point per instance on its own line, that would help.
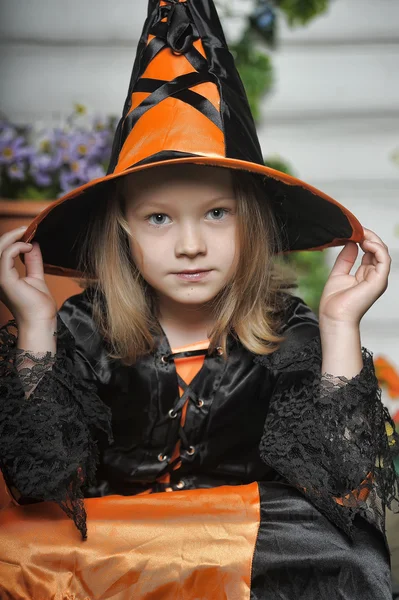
(195, 297)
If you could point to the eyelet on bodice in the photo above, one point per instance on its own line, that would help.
(188, 395)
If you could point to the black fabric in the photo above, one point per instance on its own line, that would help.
(179, 31)
(300, 554)
(326, 435)
(48, 449)
(241, 139)
(305, 220)
(259, 418)
(164, 155)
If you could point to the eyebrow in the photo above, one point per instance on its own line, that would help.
(167, 204)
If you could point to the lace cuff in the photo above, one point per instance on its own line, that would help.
(48, 418)
(331, 437)
(31, 367)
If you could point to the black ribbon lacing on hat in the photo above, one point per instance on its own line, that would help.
(178, 33)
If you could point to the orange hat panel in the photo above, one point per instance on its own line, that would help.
(171, 125)
(168, 66)
(210, 92)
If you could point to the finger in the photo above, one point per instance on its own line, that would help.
(345, 259)
(34, 262)
(372, 236)
(9, 238)
(7, 265)
(368, 258)
(381, 256)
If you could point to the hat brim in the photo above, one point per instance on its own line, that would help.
(309, 218)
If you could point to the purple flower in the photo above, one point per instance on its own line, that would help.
(13, 149)
(16, 170)
(78, 169)
(82, 145)
(46, 141)
(42, 168)
(7, 132)
(73, 176)
(41, 178)
(66, 156)
(42, 162)
(68, 182)
(95, 172)
(99, 123)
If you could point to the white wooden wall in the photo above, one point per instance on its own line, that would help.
(334, 112)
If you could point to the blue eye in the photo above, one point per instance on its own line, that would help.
(158, 223)
(218, 210)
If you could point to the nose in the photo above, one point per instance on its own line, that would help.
(190, 240)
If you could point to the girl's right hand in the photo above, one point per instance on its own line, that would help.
(28, 298)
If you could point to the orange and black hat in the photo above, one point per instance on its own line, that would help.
(186, 104)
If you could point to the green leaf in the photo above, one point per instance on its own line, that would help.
(255, 69)
(32, 192)
(301, 12)
(279, 164)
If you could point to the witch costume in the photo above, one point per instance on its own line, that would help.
(188, 476)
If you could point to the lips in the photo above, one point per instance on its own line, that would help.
(191, 271)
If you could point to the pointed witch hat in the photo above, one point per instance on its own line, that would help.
(184, 80)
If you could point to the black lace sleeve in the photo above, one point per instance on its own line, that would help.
(331, 437)
(48, 419)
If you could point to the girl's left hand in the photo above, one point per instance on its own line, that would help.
(346, 298)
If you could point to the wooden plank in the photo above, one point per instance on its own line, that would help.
(120, 22)
(333, 81)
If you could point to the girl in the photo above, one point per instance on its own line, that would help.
(223, 441)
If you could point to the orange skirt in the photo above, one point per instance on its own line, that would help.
(163, 545)
(260, 541)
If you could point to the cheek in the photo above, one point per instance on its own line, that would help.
(137, 254)
(227, 247)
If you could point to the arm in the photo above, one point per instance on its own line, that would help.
(329, 435)
(48, 450)
(32, 364)
(341, 350)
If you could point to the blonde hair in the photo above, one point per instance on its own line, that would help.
(249, 307)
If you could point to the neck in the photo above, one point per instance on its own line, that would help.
(184, 324)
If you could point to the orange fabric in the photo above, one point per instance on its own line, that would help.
(387, 375)
(6, 498)
(190, 544)
(360, 493)
(171, 117)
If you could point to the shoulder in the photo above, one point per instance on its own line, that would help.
(76, 311)
(77, 315)
(300, 323)
(300, 347)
